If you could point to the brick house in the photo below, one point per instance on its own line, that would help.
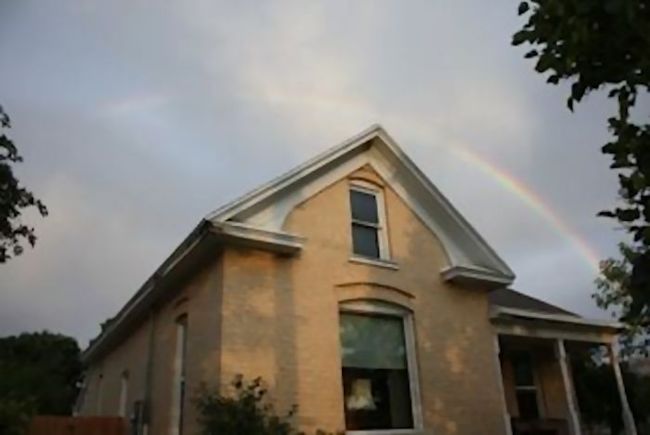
(357, 291)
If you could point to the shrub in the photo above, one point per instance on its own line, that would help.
(246, 412)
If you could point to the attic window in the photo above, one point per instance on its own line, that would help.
(368, 223)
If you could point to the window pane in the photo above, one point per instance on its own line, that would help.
(375, 375)
(364, 207)
(523, 367)
(365, 241)
(527, 402)
(372, 342)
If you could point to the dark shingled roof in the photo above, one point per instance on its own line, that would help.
(509, 298)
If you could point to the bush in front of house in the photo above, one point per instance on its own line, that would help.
(245, 412)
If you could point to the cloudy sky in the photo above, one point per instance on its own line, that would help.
(137, 118)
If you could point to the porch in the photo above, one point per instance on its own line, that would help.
(534, 348)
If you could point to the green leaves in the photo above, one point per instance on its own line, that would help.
(523, 8)
(594, 45)
(13, 200)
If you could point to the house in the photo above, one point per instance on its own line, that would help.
(354, 288)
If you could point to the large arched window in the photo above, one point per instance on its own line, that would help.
(379, 369)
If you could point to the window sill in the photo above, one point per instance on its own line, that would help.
(387, 264)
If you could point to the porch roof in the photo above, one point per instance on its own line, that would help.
(514, 313)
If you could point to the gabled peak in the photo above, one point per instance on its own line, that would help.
(266, 208)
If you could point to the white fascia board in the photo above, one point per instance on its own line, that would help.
(463, 245)
(490, 278)
(458, 218)
(231, 209)
(271, 240)
(505, 313)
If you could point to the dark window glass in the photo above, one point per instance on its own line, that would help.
(527, 402)
(522, 364)
(365, 241)
(375, 375)
(523, 368)
(364, 207)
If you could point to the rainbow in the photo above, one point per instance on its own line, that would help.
(533, 201)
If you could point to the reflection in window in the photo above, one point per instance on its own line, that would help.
(375, 373)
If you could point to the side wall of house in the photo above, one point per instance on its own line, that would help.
(104, 378)
(281, 318)
(199, 299)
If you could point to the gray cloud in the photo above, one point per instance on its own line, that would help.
(136, 119)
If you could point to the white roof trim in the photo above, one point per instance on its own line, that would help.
(461, 274)
(497, 312)
(275, 241)
(229, 210)
(266, 208)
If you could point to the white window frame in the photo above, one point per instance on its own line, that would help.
(381, 227)
(386, 308)
(179, 382)
(124, 393)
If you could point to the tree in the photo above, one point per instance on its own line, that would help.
(13, 199)
(614, 293)
(597, 392)
(38, 375)
(605, 45)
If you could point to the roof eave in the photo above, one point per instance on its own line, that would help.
(508, 314)
(221, 233)
(471, 276)
(244, 235)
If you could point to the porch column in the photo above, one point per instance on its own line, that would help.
(628, 418)
(506, 416)
(574, 419)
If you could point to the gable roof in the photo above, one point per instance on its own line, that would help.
(471, 258)
(256, 220)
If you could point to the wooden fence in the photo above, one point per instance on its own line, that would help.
(54, 425)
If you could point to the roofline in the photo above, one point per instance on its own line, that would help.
(145, 289)
(449, 208)
(471, 274)
(507, 313)
(226, 211)
(502, 274)
(224, 233)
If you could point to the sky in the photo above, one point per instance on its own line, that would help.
(137, 118)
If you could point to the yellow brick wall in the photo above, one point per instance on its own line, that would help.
(280, 318)
(198, 298)
(262, 314)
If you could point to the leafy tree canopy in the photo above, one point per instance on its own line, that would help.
(594, 45)
(598, 397)
(13, 199)
(40, 369)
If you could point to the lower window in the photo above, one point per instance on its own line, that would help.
(376, 382)
(525, 385)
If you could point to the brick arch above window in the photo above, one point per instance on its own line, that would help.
(353, 291)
